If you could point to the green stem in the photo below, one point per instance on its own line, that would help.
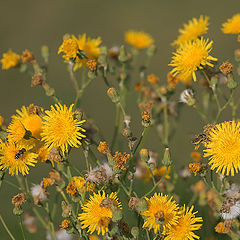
(116, 127)
(73, 78)
(22, 230)
(124, 189)
(156, 184)
(213, 89)
(147, 233)
(6, 228)
(151, 172)
(94, 158)
(12, 184)
(140, 141)
(202, 114)
(51, 222)
(106, 81)
(166, 124)
(38, 215)
(26, 183)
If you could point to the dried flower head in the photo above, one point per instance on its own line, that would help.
(54, 155)
(153, 79)
(37, 80)
(27, 56)
(80, 182)
(103, 148)
(195, 168)
(138, 39)
(226, 68)
(19, 199)
(65, 224)
(230, 209)
(10, 60)
(187, 96)
(120, 160)
(71, 189)
(48, 182)
(39, 193)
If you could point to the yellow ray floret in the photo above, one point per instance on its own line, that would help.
(191, 31)
(96, 217)
(232, 25)
(24, 121)
(10, 60)
(162, 209)
(223, 148)
(60, 128)
(138, 39)
(185, 226)
(13, 161)
(190, 57)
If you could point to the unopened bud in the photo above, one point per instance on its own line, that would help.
(113, 95)
(144, 154)
(45, 53)
(117, 214)
(141, 205)
(237, 55)
(123, 57)
(151, 50)
(17, 211)
(167, 158)
(231, 83)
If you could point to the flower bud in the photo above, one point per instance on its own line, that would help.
(17, 211)
(117, 214)
(135, 232)
(237, 55)
(141, 205)
(123, 57)
(166, 158)
(151, 50)
(45, 53)
(113, 95)
(231, 83)
(144, 154)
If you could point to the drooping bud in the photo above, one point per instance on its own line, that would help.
(123, 57)
(144, 154)
(167, 158)
(113, 95)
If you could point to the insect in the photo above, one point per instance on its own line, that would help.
(201, 138)
(20, 153)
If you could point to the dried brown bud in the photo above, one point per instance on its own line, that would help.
(113, 52)
(48, 182)
(107, 203)
(120, 159)
(19, 199)
(54, 155)
(37, 80)
(33, 109)
(146, 106)
(27, 56)
(55, 175)
(133, 202)
(226, 68)
(71, 189)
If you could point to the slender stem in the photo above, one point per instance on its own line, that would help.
(73, 78)
(166, 124)
(12, 184)
(201, 113)
(151, 172)
(147, 233)
(6, 228)
(157, 183)
(106, 81)
(51, 222)
(213, 89)
(22, 230)
(43, 222)
(124, 189)
(116, 127)
(94, 158)
(26, 183)
(193, 199)
(140, 141)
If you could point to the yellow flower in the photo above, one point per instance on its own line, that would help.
(191, 31)
(97, 216)
(16, 158)
(70, 49)
(223, 147)
(22, 122)
(10, 60)
(90, 46)
(43, 153)
(158, 172)
(190, 57)
(138, 39)
(185, 226)
(80, 184)
(1, 121)
(94, 237)
(232, 25)
(61, 129)
(162, 210)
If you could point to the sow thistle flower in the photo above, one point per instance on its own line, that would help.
(191, 31)
(97, 212)
(10, 60)
(161, 211)
(22, 122)
(16, 158)
(223, 148)
(232, 26)
(61, 129)
(80, 50)
(187, 223)
(190, 57)
(138, 39)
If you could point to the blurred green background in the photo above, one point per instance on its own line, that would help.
(31, 24)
